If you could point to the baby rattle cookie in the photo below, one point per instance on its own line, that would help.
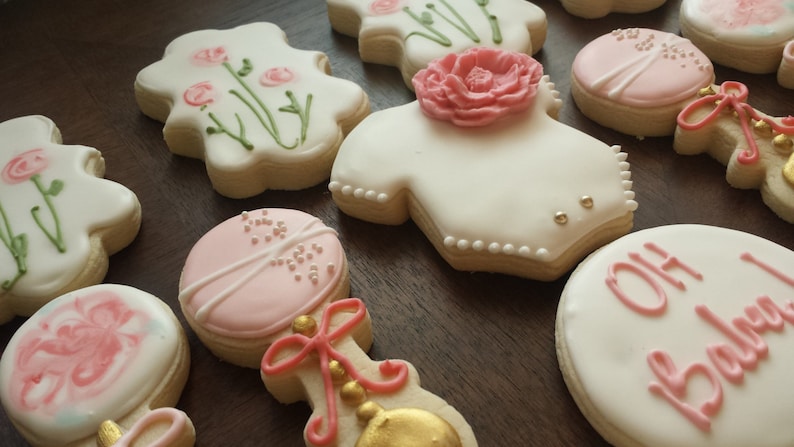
(594, 9)
(246, 279)
(682, 335)
(637, 80)
(747, 36)
(259, 113)
(408, 34)
(59, 218)
(494, 181)
(102, 353)
(755, 147)
(355, 400)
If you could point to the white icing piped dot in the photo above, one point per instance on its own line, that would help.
(330, 267)
(449, 241)
(509, 249)
(542, 253)
(524, 251)
(247, 228)
(254, 239)
(383, 197)
(371, 195)
(244, 215)
(347, 190)
(494, 247)
(478, 245)
(358, 193)
(298, 277)
(463, 244)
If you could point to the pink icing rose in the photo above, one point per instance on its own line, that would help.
(210, 57)
(276, 76)
(24, 166)
(383, 7)
(77, 352)
(200, 94)
(478, 86)
(741, 13)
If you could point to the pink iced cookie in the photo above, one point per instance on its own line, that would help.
(261, 114)
(747, 35)
(637, 80)
(60, 219)
(104, 352)
(408, 34)
(682, 335)
(481, 165)
(593, 9)
(246, 280)
(355, 400)
(757, 149)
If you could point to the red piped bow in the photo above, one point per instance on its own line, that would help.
(732, 95)
(321, 342)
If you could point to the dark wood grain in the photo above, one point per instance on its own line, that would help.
(484, 342)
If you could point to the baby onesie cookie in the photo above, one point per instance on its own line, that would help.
(408, 34)
(637, 80)
(747, 36)
(355, 400)
(102, 353)
(682, 335)
(259, 113)
(594, 9)
(59, 219)
(483, 168)
(755, 147)
(246, 280)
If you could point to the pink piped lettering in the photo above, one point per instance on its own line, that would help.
(768, 268)
(612, 283)
(751, 345)
(668, 263)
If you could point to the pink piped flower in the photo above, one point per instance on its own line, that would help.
(734, 14)
(24, 166)
(478, 86)
(200, 94)
(276, 76)
(384, 7)
(210, 57)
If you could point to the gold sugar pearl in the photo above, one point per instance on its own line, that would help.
(338, 372)
(304, 325)
(561, 218)
(586, 201)
(762, 128)
(109, 432)
(403, 427)
(352, 393)
(706, 91)
(788, 170)
(783, 142)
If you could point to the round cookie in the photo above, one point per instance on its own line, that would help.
(104, 352)
(59, 219)
(747, 36)
(594, 9)
(682, 335)
(246, 279)
(637, 80)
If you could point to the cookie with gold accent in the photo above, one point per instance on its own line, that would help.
(757, 149)
(356, 400)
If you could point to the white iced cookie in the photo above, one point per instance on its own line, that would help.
(59, 219)
(757, 149)
(355, 400)
(494, 181)
(594, 9)
(747, 36)
(785, 74)
(102, 353)
(259, 113)
(408, 34)
(682, 335)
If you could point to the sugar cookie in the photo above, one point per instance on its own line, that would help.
(408, 34)
(594, 9)
(355, 400)
(59, 219)
(491, 178)
(747, 36)
(246, 279)
(261, 114)
(637, 80)
(755, 147)
(682, 335)
(785, 74)
(104, 352)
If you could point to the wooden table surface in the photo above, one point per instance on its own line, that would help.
(484, 342)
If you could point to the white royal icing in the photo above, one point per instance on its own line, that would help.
(679, 274)
(760, 22)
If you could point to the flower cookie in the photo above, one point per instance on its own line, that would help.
(594, 9)
(99, 354)
(682, 335)
(480, 164)
(59, 219)
(409, 34)
(757, 149)
(355, 400)
(747, 36)
(637, 80)
(246, 279)
(261, 114)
